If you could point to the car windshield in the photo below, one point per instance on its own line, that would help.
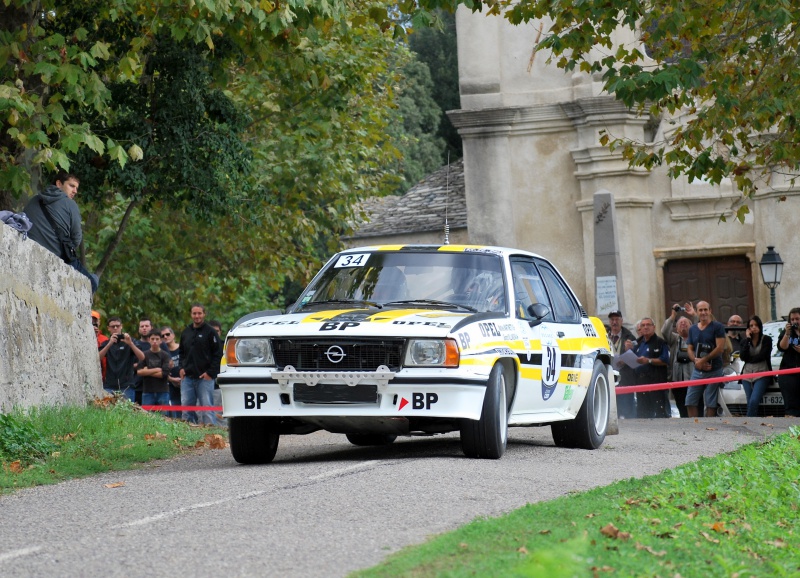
(437, 279)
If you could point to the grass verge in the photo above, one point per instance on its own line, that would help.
(733, 515)
(51, 444)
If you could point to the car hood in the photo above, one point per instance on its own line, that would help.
(354, 322)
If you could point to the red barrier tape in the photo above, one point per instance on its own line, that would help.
(182, 407)
(657, 386)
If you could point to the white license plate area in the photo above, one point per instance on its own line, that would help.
(772, 399)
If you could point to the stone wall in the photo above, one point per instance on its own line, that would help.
(48, 350)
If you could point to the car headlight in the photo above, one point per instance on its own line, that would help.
(432, 353)
(249, 351)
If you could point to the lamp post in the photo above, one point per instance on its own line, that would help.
(771, 271)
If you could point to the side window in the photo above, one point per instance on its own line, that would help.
(564, 306)
(528, 288)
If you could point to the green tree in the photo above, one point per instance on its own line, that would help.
(316, 135)
(437, 48)
(417, 133)
(725, 73)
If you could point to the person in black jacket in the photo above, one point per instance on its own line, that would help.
(755, 349)
(789, 343)
(652, 353)
(200, 351)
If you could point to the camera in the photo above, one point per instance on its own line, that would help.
(795, 326)
(678, 308)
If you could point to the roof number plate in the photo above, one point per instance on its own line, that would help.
(354, 260)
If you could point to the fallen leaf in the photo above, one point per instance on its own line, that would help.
(778, 543)
(544, 532)
(631, 501)
(709, 538)
(650, 550)
(711, 429)
(216, 441)
(522, 550)
(115, 485)
(463, 545)
(612, 531)
(15, 467)
(655, 521)
(590, 515)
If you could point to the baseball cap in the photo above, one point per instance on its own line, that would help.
(96, 315)
(615, 313)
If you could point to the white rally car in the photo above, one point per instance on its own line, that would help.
(419, 340)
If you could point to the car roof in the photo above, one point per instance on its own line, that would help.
(504, 251)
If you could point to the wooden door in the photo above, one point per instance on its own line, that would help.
(725, 282)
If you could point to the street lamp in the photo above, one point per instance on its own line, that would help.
(771, 271)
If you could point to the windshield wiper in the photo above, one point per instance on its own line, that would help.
(432, 302)
(354, 302)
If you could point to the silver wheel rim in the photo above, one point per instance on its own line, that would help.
(600, 402)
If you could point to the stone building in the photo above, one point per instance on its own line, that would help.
(536, 177)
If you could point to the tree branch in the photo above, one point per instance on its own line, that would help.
(112, 246)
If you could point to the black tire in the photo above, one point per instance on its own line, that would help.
(371, 439)
(488, 436)
(252, 439)
(588, 429)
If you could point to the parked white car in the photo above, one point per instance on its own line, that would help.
(772, 403)
(419, 340)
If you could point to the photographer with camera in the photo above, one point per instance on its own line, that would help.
(706, 343)
(675, 332)
(789, 344)
(121, 354)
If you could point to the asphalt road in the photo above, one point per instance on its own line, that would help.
(324, 507)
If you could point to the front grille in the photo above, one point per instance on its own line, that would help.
(740, 409)
(358, 354)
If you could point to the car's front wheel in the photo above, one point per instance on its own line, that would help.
(487, 437)
(252, 439)
(588, 429)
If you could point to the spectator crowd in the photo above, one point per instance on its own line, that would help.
(158, 368)
(694, 346)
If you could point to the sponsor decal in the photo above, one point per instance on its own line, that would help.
(463, 338)
(568, 391)
(503, 351)
(254, 400)
(419, 400)
(257, 323)
(572, 378)
(488, 329)
(588, 329)
(338, 325)
(424, 323)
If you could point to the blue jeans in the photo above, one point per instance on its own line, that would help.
(127, 392)
(156, 399)
(707, 392)
(93, 279)
(196, 391)
(755, 392)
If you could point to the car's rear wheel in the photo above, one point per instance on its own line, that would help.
(588, 429)
(487, 437)
(371, 439)
(252, 439)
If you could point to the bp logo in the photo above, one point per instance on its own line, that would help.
(551, 368)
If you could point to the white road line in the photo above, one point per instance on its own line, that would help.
(162, 515)
(172, 513)
(19, 553)
(334, 473)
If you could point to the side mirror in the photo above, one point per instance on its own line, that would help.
(538, 311)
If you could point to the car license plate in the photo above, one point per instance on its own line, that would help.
(772, 399)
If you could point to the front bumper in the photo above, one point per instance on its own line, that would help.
(436, 393)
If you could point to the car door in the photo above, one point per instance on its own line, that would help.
(547, 366)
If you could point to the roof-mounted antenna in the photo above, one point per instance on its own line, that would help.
(446, 198)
